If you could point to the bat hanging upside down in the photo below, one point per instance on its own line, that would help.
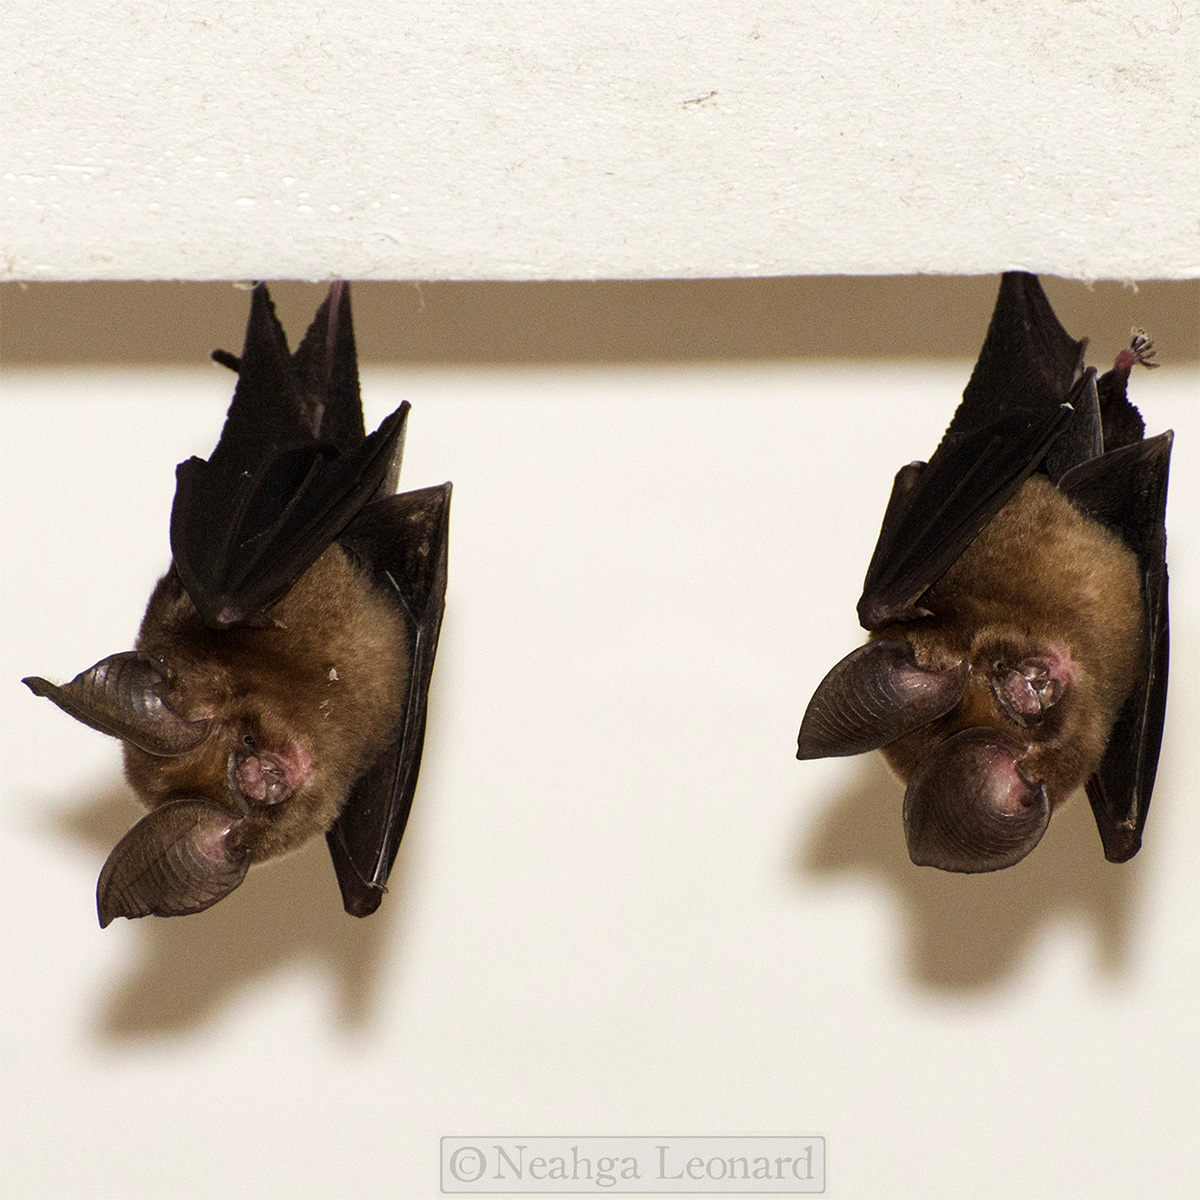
(278, 688)
(1017, 605)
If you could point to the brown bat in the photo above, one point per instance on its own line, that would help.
(279, 683)
(1017, 605)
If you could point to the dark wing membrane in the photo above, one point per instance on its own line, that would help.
(1126, 489)
(938, 508)
(1083, 435)
(404, 540)
(264, 409)
(325, 374)
(1014, 407)
(291, 470)
(241, 542)
(1028, 359)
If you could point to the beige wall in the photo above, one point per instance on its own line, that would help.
(607, 321)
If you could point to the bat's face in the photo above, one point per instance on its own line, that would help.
(997, 705)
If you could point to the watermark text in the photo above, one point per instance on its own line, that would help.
(594, 1166)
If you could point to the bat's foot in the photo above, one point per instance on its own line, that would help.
(1140, 350)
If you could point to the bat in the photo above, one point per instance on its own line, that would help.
(1017, 607)
(279, 683)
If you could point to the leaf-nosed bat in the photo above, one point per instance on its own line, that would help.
(1017, 607)
(279, 681)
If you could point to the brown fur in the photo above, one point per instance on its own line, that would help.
(322, 689)
(1041, 576)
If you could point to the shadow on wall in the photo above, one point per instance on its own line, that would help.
(967, 933)
(605, 321)
(181, 972)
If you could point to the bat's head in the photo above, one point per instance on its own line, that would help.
(990, 736)
(1031, 727)
(999, 702)
(244, 743)
(960, 729)
(221, 799)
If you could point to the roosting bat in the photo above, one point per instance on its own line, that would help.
(279, 682)
(1017, 604)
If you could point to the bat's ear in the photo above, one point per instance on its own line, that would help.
(181, 858)
(125, 695)
(873, 696)
(967, 807)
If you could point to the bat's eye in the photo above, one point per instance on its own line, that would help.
(248, 741)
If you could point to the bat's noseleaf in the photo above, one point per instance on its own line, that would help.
(404, 541)
(180, 858)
